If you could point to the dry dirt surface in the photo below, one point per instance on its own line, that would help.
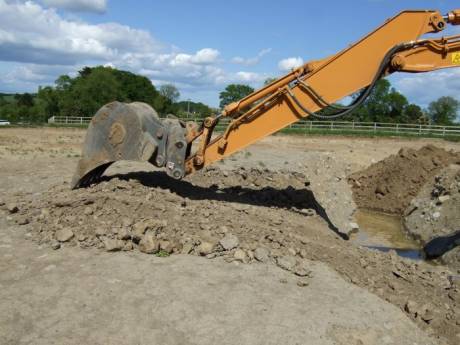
(265, 263)
(391, 184)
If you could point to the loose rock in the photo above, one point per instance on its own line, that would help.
(64, 235)
(112, 245)
(205, 248)
(229, 242)
(149, 244)
(286, 262)
(240, 255)
(262, 254)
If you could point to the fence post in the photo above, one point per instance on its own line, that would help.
(353, 125)
(420, 129)
(332, 125)
(305, 129)
(397, 127)
(311, 125)
(443, 131)
(375, 127)
(81, 120)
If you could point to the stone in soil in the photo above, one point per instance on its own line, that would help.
(113, 245)
(205, 248)
(262, 254)
(64, 235)
(229, 242)
(286, 262)
(149, 244)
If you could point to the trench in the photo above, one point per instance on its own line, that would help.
(384, 232)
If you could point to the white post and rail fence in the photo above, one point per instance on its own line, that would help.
(305, 126)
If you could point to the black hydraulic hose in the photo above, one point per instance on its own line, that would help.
(363, 95)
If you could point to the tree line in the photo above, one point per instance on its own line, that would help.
(89, 90)
(93, 87)
(384, 104)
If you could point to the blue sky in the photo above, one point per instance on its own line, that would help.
(200, 46)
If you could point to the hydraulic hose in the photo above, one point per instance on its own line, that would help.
(362, 96)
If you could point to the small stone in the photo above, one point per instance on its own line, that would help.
(303, 283)
(187, 248)
(302, 270)
(292, 251)
(88, 211)
(55, 245)
(140, 228)
(12, 208)
(63, 235)
(22, 220)
(124, 234)
(303, 253)
(229, 242)
(126, 222)
(166, 246)
(411, 308)
(149, 244)
(112, 245)
(354, 227)
(436, 215)
(240, 255)
(205, 248)
(128, 246)
(81, 237)
(100, 231)
(262, 254)
(427, 313)
(443, 198)
(286, 262)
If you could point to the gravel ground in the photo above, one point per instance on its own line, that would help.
(275, 205)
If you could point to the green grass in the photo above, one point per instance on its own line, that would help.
(162, 254)
(290, 131)
(365, 134)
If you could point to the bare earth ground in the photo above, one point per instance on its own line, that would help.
(344, 295)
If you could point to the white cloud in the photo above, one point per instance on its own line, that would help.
(40, 45)
(30, 33)
(253, 60)
(97, 6)
(249, 77)
(427, 87)
(290, 63)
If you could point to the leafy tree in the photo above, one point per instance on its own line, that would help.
(197, 109)
(63, 83)
(25, 99)
(233, 93)
(89, 93)
(413, 114)
(49, 98)
(269, 80)
(169, 91)
(385, 104)
(444, 110)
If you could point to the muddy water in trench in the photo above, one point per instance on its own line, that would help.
(384, 232)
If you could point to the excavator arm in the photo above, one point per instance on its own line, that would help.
(396, 46)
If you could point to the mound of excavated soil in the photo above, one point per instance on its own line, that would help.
(214, 215)
(391, 184)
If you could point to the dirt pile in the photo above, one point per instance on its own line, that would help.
(390, 185)
(203, 217)
(436, 212)
(243, 215)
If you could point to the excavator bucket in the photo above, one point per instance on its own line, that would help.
(121, 131)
